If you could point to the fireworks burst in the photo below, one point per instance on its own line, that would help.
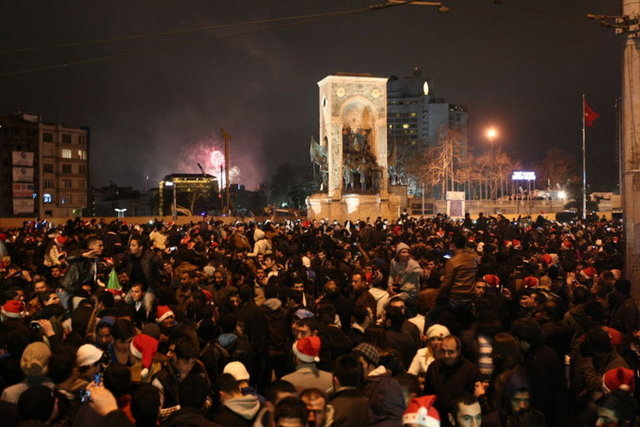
(211, 156)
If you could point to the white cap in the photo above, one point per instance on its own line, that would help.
(88, 354)
(237, 370)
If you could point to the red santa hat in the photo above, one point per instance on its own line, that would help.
(516, 244)
(589, 272)
(144, 347)
(421, 412)
(13, 309)
(547, 259)
(60, 240)
(566, 244)
(491, 280)
(308, 349)
(163, 312)
(530, 282)
(207, 295)
(618, 378)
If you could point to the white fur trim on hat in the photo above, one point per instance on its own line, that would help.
(304, 357)
(134, 351)
(164, 316)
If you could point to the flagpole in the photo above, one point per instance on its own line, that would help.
(584, 163)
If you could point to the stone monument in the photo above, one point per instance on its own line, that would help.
(352, 153)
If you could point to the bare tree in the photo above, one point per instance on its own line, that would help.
(557, 167)
(440, 165)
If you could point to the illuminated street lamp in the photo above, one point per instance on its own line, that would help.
(120, 212)
(492, 134)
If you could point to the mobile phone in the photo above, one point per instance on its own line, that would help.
(85, 396)
(35, 325)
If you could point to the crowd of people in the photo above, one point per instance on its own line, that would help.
(411, 322)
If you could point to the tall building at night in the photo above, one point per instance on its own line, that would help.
(416, 116)
(45, 167)
(417, 119)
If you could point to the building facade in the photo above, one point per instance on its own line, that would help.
(415, 116)
(417, 119)
(45, 169)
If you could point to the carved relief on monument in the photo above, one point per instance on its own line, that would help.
(361, 172)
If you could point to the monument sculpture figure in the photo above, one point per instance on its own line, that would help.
(351, 156)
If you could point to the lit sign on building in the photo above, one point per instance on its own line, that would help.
(523, 176)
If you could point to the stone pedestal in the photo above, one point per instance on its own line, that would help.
(353, 207)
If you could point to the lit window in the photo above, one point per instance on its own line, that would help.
(66, 153)
(82, 154)
(405, 126)
(46, 198)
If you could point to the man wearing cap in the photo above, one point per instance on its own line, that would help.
(306, 375)
(34, 363)
(88, 358)
(386, 398)
(240, 373)
(404, 275)
(236, 409)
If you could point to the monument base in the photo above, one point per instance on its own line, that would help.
(353, 207)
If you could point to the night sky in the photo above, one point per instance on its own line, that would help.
(520, 66)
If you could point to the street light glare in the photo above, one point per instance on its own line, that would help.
(492, 133)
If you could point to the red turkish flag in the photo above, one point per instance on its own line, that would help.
(590, 116)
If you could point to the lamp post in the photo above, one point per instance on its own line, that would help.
(491, 134)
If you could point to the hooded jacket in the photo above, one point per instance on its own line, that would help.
(239, 411)
(386, 398)
(407, 275)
